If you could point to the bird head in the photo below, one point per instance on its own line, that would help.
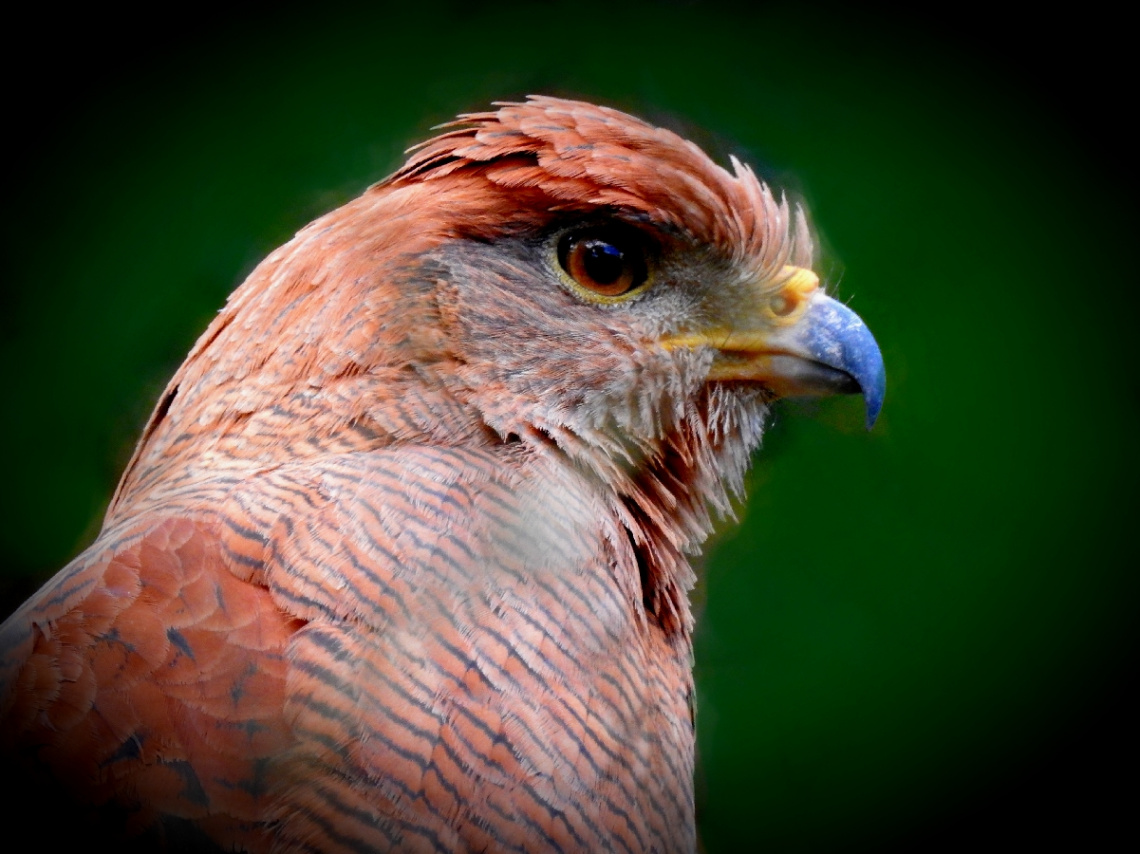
(610, 289)
(551, 273)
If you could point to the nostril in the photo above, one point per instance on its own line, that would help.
(782, 305)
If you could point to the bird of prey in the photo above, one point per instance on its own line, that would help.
(402, 559)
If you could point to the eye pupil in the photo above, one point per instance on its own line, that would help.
(609, 261)
(604, 261)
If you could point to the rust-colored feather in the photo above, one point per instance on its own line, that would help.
(580, 155)
(154, 684)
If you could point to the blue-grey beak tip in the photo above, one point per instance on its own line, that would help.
(874, 385)
(838, 338)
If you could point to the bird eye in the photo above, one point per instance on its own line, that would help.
(608, 263)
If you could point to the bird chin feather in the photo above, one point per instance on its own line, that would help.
(668, 487)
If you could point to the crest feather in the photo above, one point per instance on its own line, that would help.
(583, 155)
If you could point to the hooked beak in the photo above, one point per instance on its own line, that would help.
(795, 340)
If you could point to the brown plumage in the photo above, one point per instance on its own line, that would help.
(401, 562)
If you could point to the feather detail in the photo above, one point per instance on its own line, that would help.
(578, 153)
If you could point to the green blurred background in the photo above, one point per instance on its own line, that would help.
(920, 638)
